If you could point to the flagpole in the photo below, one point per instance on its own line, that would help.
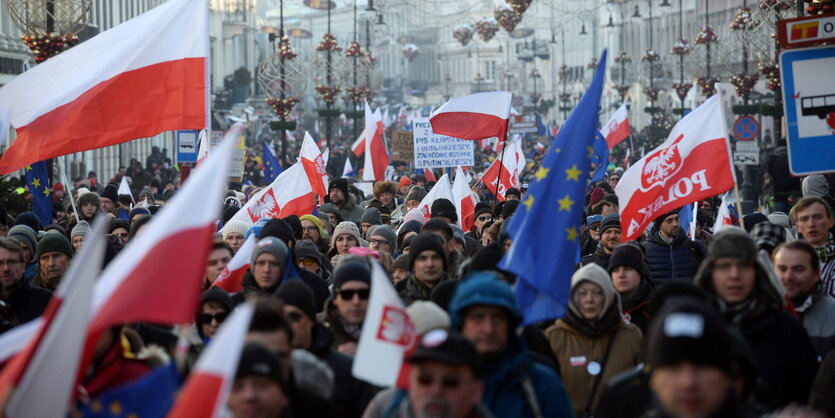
(62, 163)
(499, 176)
(738, 205)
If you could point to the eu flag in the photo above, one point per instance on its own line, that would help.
(271, 166)
(546, 226)
(37, 179)
(600, 159)
(150, 396)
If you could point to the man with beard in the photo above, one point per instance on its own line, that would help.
(610, 236)
(341, 201)
(54, 254)
(26, 302)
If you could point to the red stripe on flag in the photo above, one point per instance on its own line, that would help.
(299, 206)
(165, 286)
(199, 396)
(314, 177)
(134, 104)
(620, 133)
(232, 282)
(379, 155)
(467, 213)
(469, 125)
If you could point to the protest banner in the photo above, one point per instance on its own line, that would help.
(402, 146)
(440, 151)
(523, 124)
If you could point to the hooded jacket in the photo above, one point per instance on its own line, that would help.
(678, 260)
(599, 257)
(349, 210)
(507, 375)
(580, 345)
(817, 313)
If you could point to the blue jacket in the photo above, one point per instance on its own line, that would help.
(677, 261)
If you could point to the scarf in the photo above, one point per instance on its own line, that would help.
(593, 329)
(352, 330)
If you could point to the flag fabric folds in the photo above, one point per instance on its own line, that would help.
(145, 76)
(314, 166)
(441, 190)
(600, 159)
(231, 279)
(692, 164)
(508, 175)
(473, 117)
(546, 226)
(347, 171)
(463, 200)
(289, 194)
(152, 395)
(727, 214)
(376, 154)
(37, 179)
(205, 392)
(617, 128)
(387, 333)
(272, 169)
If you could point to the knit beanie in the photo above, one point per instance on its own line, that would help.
(416, 193)
(487, 258)
(444, 208)
(53, 243)
(81, 228)
(117, 223)
(597, 194)
(405, 181)
(595, 274)
(257, 360)
(593, 219)
(513, 192)
(229, 213)
(216, 294)
(255, 229)
(482, 207)
(427, 315)
(25, 235)
(611, 220)
(401, 263)
(111, 191)
(384, 231)
(235, 226)
(297, 293)
(351, 271)
(137, 211)
(277, 228)
(426, 241)
(307, 249)
(339, 183)
(29, 219)
(414, 215)
(372, 216)
(345, 228)
(732, 243)
(509, 208)
(779, 218)
(271, 245)
(753, 219)
(660, 220)
(316, 221)
(629, 255)
(55, 229)
(295, 225)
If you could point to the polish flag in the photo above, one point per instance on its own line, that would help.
(388, 334)
(463, 199)
(206, 391)
(627, 158)
(376, 155)
(509, 162)
(124, 189)
(476, 116)
(617, 128)
(725, 217)
(49, 362)
(692, 164)
(358, 147)
(289, 194)
(347, 170)
(158, 277)
(314, 165)
(147, 75)
(15, 339)
(232, 277)
(203, 147)
(441, 190)
(429, 175)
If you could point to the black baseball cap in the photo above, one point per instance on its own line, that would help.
(446, 347)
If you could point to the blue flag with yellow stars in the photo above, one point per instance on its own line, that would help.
(546, 226)
(152, 395)
(271, 166)
(600, 159)
(37, 179)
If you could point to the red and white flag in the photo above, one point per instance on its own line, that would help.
(289, 194)
(358, 147)
(376, 155)
(147, 75)
(231, 279)
(463, 199)
(49, 362)
(158, 277)
(724, 217)
(628, 157)
(429, 175)
(314, 166)
(477, 116)
(617, 128)
(441, 190)
(124, 189)
(388, 333)
(692, 164)
(512, 161)
(206, 391)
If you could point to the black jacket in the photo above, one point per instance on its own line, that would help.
(27, 302)
(635, 306)
(250, 287)
(599, 256)
(678, 260)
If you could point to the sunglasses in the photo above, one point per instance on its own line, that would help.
(207, 318)
(614, 178)
(484, 218)
(447, 382)
(348, 294)
(294, 316)
(594, 227)
(307, 261)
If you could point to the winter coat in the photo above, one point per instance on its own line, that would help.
(577, 352)
(313, 280)
(731, 406)
(817, 314)
(331, 320)
(635, 307)
(411, 289)
(823, 390)
(350, 210)
(394, 403)
(599, 256)
(626, 395)
(26, 301)
(676, 261)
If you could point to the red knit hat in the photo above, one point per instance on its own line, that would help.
(405, 181)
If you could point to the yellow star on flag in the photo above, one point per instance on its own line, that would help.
(529, 201)
(28, 167)
(573, 173)
(45, 191)
(557, 150)
(36, 182)
(590, 150)
(565, 203)
(571, 233)
(542, 173)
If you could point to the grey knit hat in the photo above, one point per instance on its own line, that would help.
(81, 228)
(416, 193)
(384, 231)
(274, 246)
(346, 227)
(372, 216)
(427, 315)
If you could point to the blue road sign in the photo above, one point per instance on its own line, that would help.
(746, 128)
(809, 106)
(187, 142)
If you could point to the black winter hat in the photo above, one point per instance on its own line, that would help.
(116, 223)
(426, 241)
(297, 293)
(659, 220)
(629, 255)
(686, 330)
(732, 243)
(487, 258)
(611, 220)
(482, 207)
(111, 191)
(307, 249)
(277, 228)
(216, 294)
(444, 208)
(509, 208)
(513, 192)
(351, 271)
(339, 183)
(228, 213)
(296, 225)
(257, 360)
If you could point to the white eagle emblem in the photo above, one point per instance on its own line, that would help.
(265, 206)
(661, 165)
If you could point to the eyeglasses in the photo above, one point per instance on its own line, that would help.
(614, 178)
(348, 294)
(594, 227)
(484, 218)
(294, 316)
(447, 382)
(307, 261)
(378, 241)
(207, 318)
(9, 262)
(311, 229)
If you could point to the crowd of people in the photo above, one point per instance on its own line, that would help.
(732, 323)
